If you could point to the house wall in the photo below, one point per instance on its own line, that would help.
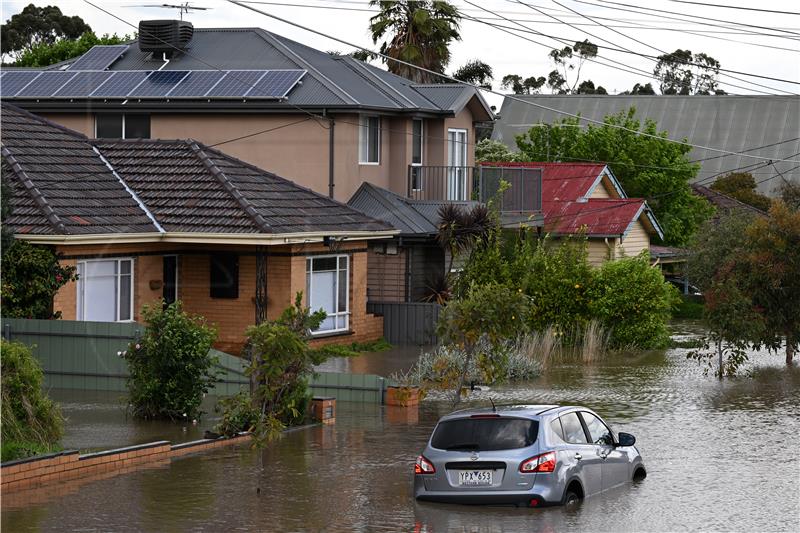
(635, 241)
(286, 275)
(300, 152)
(601, 191)
(599, 252)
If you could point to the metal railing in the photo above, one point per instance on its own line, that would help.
(455, 183)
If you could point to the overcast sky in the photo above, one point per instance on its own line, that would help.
(734, 46)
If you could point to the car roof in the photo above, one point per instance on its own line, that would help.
(516, 410)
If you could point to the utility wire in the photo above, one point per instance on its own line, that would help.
(737, 7)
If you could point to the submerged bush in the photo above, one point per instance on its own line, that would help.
(31, 422)
(170, 367)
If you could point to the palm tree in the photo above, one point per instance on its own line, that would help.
(417, 32)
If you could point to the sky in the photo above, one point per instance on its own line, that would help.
(769, 46)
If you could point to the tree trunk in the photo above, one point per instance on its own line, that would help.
(463, 380)
(721, 362)
(789, 349)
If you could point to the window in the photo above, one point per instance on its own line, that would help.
(416, 154)
(599, 433)
(369, 150)
(485, 434)
(328, 288)
(105, 290)
(573, 429)
(457, 162)
(555, 425)
(224, 282)
(122, 126)
(170, 273)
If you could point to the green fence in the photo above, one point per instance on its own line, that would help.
(87, 356)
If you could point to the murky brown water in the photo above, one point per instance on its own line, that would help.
(720, 456)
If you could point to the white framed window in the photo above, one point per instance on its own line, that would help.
(417, 144)
(369, 141)
(328, 288)
(105, 290)
(457, 174)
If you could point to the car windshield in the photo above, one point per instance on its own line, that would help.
(485, 434)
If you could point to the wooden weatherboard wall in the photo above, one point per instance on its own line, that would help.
(86, 356)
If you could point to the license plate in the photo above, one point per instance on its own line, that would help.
(474, 478)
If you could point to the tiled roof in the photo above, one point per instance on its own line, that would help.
(184, 185)
(723, 202)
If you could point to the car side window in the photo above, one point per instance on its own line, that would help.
(555, 425)
(598, 431)
(573, 429)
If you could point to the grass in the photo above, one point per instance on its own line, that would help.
(690, 308)
(356, 348)
(11, 450)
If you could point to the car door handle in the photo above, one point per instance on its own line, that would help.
(578, 456)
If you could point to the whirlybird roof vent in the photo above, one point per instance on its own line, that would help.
(164, 36)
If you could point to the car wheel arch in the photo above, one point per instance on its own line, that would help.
(574, 484)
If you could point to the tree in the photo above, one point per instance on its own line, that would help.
(568, 59)
(489, 150)
(518, 85)
(682, 72)
(790, 194)
(647, 166)
(475, 72)
(417, 32)
(643, 89)
(742, 186)
(38, 25)
(44, 54)
(587, 87)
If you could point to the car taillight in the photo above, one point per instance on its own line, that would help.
(423, 466)
(545, 462)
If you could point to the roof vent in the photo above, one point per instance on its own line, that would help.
(164, 36)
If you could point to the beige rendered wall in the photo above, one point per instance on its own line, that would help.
(80, 122)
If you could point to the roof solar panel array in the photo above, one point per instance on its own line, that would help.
(99, 57)
(149, 84)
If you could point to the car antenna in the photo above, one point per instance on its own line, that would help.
(494, 408)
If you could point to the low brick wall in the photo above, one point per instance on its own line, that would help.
(70, 465)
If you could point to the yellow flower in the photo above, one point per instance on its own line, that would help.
(577, 285)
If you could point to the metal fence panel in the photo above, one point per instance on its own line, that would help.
(407, 322)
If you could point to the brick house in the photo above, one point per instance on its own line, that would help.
(146, 219)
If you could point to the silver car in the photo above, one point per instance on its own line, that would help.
(534, 455)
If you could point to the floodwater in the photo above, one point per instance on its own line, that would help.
(720, 456)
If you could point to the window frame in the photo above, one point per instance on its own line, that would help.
(416, 182)
(177, 274)
(588, 433)
(456, 172)
(80, 309)
(363, 136)
(310, 284)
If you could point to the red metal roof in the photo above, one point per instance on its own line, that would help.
(562, 181)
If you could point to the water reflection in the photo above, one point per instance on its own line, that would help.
(720, 456)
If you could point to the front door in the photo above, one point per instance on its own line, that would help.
(457, 174)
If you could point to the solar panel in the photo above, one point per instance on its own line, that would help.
(158, 83)
(99, 57)
(275, 83)
(236, 83)
(197, 83)
(120, 84)
(46, 84)
(15, 80)
(83, 84)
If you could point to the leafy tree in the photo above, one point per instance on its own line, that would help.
(568, 59)
(489, 150)
(44, 54)
(647, 167)
(790, 194)
(38, 25)
(557, 82)
(417, 32)
(642, 89)
(682, 72)
(475, 72)
(363, 55)
(742, 186)
(170, 367)
(6, 232)
(587, 87)
(518, 85)
(461, 229)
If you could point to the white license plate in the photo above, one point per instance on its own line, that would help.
(474, 478)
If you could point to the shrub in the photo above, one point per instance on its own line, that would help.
(632, 300)
(31, 422)
(170, 366)
(31, 276)
(238, 415)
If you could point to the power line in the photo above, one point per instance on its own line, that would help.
(737, 7)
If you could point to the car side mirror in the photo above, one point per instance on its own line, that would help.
(625, 439)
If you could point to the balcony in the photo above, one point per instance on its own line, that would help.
(482, 183)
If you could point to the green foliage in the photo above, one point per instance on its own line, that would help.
(238, 415)
(281, 363)
(682, 72)
(31, 276)
(647, 167)
(170, 367)
(31, 423)
(417, 32)
(35, 25)
(790, 194)
(689, 308)
(6, 231)
(632, 299)
(489, 150)
(742, 186)
(44, 54)
(475, 72)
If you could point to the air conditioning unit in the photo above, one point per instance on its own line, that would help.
(164, 36)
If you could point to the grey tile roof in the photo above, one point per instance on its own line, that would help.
(332, 81)
(733, 123)
(723, 202)
(411, 217)
(185, 185)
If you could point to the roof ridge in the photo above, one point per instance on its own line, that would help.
(360, 68)
(230, 188)
(38, 198)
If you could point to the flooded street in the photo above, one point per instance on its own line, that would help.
(720, 456)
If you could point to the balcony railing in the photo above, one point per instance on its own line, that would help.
(451, 183)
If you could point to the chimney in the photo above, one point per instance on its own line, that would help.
(164, 36)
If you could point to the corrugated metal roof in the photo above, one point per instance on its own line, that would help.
(597, 217)
(733, 123)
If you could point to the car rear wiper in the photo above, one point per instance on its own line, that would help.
(464, 446)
